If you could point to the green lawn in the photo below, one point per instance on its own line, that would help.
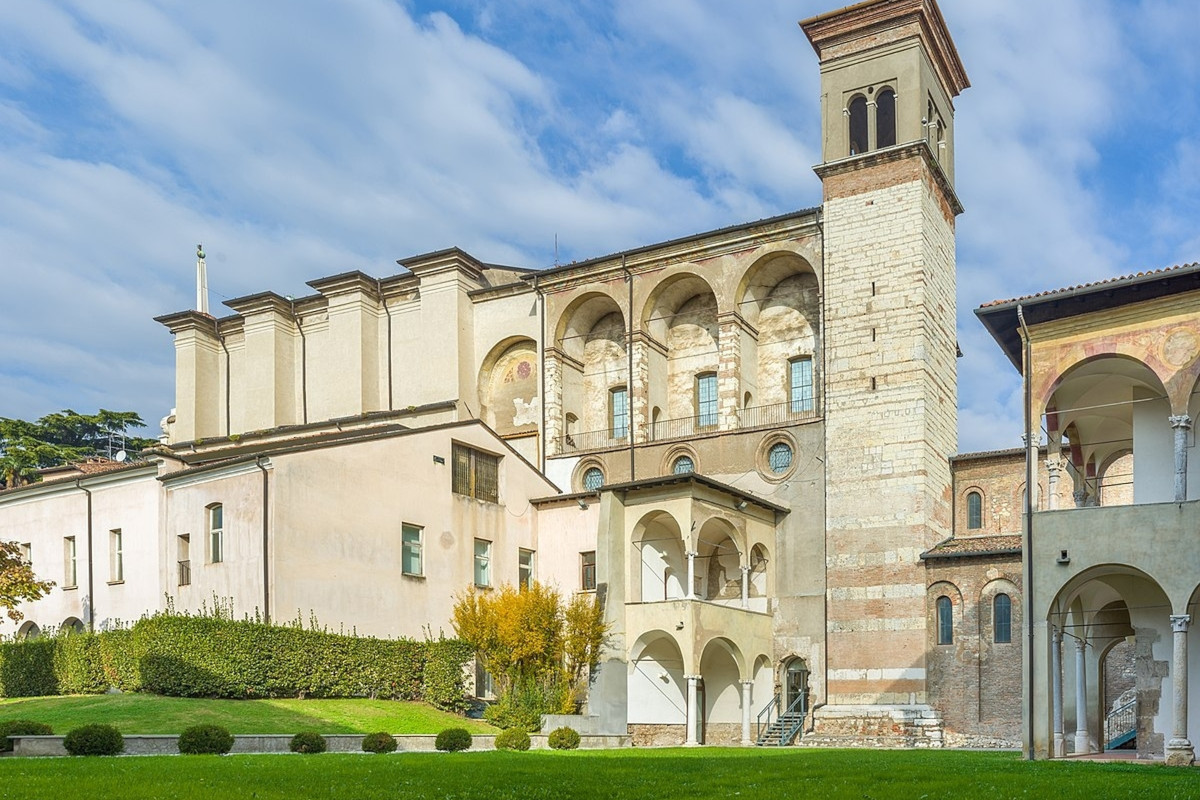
(693, 774)
(144, 713)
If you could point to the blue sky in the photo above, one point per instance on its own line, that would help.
(297, 140)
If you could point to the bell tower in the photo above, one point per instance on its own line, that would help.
(889, 75)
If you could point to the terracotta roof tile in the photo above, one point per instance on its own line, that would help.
(960, 546)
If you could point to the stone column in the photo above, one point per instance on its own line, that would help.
(745, 586)
(691, 578)
(1053, 466)
(1059, 744)
(1181, 423)
(1180, 752)
(746, 709)
(1080, 496)
(693, 716)
(553, 375)
(1081, 731)
(729, 370)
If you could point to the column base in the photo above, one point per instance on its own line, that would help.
(1081, 744)
(1059, 747)
(1180, 753)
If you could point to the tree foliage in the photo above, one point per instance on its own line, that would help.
(18, 584)
(60, 438)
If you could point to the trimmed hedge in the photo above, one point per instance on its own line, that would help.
(94, 740)
(453, 740)
(512, 739)
(381, 742)
(563, 739)
(211, 656)
(205, 740)
(308, 742)
(21, 727)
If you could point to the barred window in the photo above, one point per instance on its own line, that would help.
(476, 474)
(683, 465)
(779, 457)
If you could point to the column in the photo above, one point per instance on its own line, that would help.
(747, 699)
(745, 586)
(1059, 744)
(1081, 732)
(693, 716)
(1080, 496)
(691, 579)
(1181, 423)
(1053, 467)
(1180, 752)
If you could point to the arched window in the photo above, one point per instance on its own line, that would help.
(593, 479)
(779, 457)
(945, 620)
(885, 118)
(858, 125)
(683, 465)
(1002, 619)
(974, 511)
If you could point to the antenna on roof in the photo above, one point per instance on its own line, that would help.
(201, 281)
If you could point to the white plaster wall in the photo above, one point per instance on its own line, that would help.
(563, 532)
(1154, 455)
(657, 688)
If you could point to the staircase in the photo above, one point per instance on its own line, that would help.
(781, 730)
(1120, 725)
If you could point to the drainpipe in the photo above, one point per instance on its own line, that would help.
(629, 382)
(303, 366)
(221, 339)
(91, 583)
(266, 529)
(1027, 539)
(541, 371)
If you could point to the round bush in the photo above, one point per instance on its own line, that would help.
(94, 740)
(21, 727)
(205, 740)
(308, 742)
(563, 739)
(379, 743)
(452, 740)
(512, 739)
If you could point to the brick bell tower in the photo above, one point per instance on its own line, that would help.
(889, 74)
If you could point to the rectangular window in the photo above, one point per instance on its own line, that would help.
(483, 562)
(1002, 619)
(69, 568)
(475, 474)
(116, 556)
(706, 400)
(587, 576)
(184, 556)
(411, 557)
(618, 412)
(216, 534)
(524, 569)
(27, 553)
(800, 385)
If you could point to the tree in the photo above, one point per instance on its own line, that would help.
(17, 581)
(60, 438)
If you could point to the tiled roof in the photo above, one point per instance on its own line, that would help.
(962, 546)
(1136, 276)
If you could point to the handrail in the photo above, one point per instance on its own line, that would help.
(1120, 721)
(797, 723)
(772, 704)
(797, 706)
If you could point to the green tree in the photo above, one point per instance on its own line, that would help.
(60, 438)
(17, 581)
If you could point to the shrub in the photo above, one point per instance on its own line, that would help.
(205, 739)
(94, 740)
(379, 743)
(563, 739)
(452, 740)
(512, 739)
(21, 727)
(308, 742)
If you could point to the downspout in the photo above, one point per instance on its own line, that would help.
(266, 529)
(1027, 539)
(541, 372)
(629, 382)
(221, 339)
(91, 583)
(303, 366)
(825, 454)
(388, 314)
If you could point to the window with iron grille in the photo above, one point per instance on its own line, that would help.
(779, 457)
(683, 465)
(476, 474)
(411, 561)
(706, 400)
(587, 562)
(800, 385)
(593, 479)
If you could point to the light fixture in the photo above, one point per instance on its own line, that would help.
(679, 626)
(439, 460)
(582, 504)
(741, 505)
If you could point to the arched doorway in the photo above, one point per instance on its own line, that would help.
(795, 697)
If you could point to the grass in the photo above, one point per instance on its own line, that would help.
(692, 774)
(143, 713)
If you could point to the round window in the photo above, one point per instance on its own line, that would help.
(779, 457)
(683, 465)
(593, 479)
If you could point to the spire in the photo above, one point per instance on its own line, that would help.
(201, 281)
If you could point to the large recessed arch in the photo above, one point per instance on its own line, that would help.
(719, 548)
(659, 571)
(656, 684)
(509, 387)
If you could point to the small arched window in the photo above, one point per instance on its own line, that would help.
(858, 125)
(1002, 619)
(593, 479)
(683, 465)
(945, 620)
(974, 511)
(885, 118)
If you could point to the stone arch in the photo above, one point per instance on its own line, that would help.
(72, 625)
(964, 497)
(591, 336)
(936, 591)
(680, 314)
(719, 549)
(987, 604)
(1114, 478)
(509, 387)
(657, 685)
(28, 630)
(722, 668)
(660, 570)
(759, 578)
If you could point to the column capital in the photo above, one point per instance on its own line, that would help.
(1037, 439)
(1180, 421)
(691, 678)
(1055, 634)
(744, 567)
(746, 682)
(1053, 465)
(1080, 645)
(1179, 622)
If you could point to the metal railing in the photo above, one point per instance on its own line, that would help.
(776, 414)
(185, 573)
(1119, 724)
(681, 428)
(786, 724)
(591, 440)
